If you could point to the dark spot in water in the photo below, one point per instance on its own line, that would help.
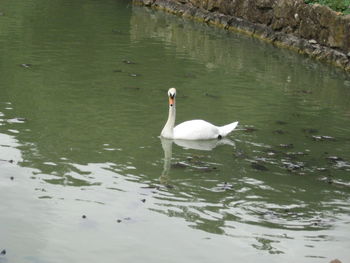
(179, 165)
(129, 62)
(119, 220)
(83, 216)
(250, 129)
(132, 88)
(143, 200)
(10, 161)
(305, 91)
(279, 132)
(12, 178)
(259, 167)
(310, 130)
(281, 122)
(211, 96)
(287, 146)
(207, 169)
(3, 252)
(190, 75)
(329, 180)
(226, 186)
(169, 186)
(24, 65)
(118, 32)
(117, 70)
(219, 137)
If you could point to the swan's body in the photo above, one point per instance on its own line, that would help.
(194, 129)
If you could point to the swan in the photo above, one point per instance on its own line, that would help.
(194, 129)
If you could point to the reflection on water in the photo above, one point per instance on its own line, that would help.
(79, 135)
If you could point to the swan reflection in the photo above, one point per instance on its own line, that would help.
(205, 145)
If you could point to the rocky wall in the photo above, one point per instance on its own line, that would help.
(309, 29)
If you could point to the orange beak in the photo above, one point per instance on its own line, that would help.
(171, 101)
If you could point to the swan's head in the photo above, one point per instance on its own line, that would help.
(172, 95)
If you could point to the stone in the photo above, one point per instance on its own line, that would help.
(312, 41)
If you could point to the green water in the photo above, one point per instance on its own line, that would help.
(79, 136)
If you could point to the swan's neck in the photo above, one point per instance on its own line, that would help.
(168, 130)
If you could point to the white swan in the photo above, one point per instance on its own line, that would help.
(194, 129)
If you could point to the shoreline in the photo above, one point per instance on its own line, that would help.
(338, 57)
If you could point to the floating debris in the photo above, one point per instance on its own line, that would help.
(272, 152)
(292, 166)
(179, 165)
(17, 120)
(258, 166)
(119, 220)
(342, 165)
(281, 122)
(334, 158)
(3, 252)
(294, 154)
(132, 88)
(117, 31)
(134, 75)
(322, 138)
(169, 186)
(286, 146)
(310, 130)
(24, 65)
(211, 96)
(129, 62)
(143, 200)
(222, 187)
(249, 129)
(190, 75)
(83, 216)
(10, 161)
(226, 186)
(305, 91)
(12, 178)
(279, 132)
(207, 169)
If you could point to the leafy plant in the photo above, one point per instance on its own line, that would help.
(337, 5)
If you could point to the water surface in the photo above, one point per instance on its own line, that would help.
(85, 177)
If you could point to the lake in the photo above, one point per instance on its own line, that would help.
(85, 177)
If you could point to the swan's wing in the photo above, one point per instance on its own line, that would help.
(196, 130)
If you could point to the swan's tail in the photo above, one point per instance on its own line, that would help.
(226, 129)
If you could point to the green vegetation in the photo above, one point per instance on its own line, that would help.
(337, 5)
